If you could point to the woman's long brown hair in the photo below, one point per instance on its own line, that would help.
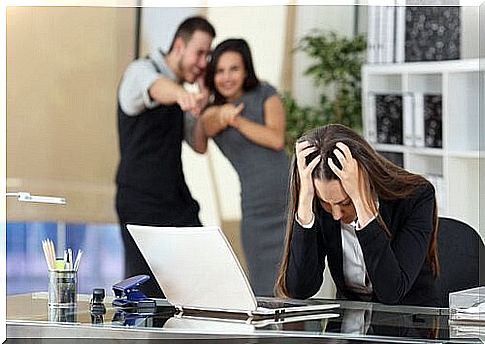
(386, 180)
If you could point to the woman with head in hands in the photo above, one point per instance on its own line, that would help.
(375, 222)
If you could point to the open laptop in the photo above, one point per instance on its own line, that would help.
(198, 270)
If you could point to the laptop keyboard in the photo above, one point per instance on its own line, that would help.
(277, 304)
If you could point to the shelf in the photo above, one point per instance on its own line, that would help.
(390, 148)
(429, 151)
(454, 169)
(434, 67)
(426, 151)
(408, 149)
(467, 154)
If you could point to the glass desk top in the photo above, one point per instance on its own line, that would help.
(28, 316)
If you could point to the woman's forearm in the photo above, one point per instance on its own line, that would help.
(260, 134)
(212, 122)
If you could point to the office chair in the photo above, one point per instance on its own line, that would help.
(462, 257)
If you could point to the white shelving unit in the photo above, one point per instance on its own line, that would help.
(462, 85)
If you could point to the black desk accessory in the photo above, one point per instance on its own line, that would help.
(96, 306)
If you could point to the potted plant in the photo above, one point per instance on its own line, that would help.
(336, 73)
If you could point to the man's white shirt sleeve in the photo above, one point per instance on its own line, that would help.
(133, 92)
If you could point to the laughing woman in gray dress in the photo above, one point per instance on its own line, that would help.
(247, 122)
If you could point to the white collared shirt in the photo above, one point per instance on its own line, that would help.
(354, 270)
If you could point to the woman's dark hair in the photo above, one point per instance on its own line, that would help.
(241, 47)
(189, 26)
(385, 180)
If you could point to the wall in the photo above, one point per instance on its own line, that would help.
(158, 25)
(63, 66)
(339, 19)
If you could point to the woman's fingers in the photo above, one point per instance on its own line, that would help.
(313, 163)
(300, 146)
(303, 149)
(340, 156)
(343, 154)
(334, 168)
(302, 155)
(345, 149)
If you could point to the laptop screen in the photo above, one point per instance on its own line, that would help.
(195, 267)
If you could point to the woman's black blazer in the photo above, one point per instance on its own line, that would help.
(397, 266)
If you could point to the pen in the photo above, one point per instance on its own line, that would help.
(46, 255)
(66, 261)
(69, 256)
(78, 259)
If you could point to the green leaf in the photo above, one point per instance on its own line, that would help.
(336, 72)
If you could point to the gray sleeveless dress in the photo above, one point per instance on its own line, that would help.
(263, 174)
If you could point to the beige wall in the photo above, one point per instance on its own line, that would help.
(63, 66)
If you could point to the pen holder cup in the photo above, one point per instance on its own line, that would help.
(62, 289)
(62, 314)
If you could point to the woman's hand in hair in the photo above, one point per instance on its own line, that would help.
(349, 174)
(307, 191)
(352, 181)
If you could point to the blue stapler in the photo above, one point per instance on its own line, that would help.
(129, 296)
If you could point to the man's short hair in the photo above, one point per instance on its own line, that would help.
(187, 28)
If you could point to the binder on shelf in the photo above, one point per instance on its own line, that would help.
(371, 118)
(410, 32)
(408, 119)
(385, 34)
(433, 120)
(380, 35)
(389, 118)
(372, 34)
(432, 33)
(418, 120)
(400, 32)
(428, 120)
(378, 27)
(388, 35)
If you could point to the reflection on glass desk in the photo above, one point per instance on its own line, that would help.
(353, 322)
